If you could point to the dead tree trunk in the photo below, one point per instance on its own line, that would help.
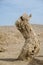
(31, 47)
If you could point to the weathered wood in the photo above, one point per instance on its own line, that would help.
(31, 46)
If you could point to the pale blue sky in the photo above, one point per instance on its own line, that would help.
(10, 10)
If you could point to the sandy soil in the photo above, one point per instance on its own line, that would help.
(36, 61)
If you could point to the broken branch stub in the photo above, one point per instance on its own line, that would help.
(31, 46)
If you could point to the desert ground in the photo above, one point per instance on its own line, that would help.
(9, 57)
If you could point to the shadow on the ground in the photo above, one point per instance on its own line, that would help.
(40, 56)
(9, 59)
(33, 62)
(36, 62)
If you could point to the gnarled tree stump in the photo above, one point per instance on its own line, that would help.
(31, 46)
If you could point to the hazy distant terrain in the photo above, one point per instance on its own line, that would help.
(11, 61)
